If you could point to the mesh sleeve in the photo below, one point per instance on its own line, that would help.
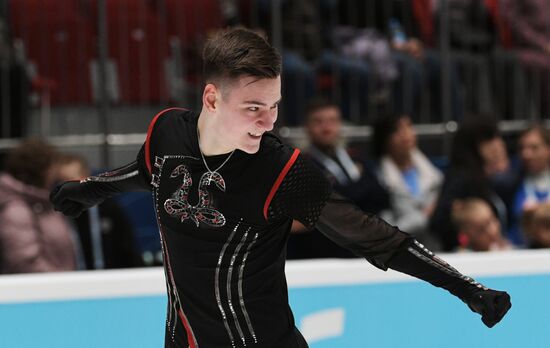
(364, 234)
(301, 195)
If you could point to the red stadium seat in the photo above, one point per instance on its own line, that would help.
(191, 21)
(139, 47)
(59, 42)
(188, 23)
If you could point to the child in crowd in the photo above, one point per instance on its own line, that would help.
(536, 226)
(478, 227)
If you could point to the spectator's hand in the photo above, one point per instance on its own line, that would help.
(491, 304)
(73, 197)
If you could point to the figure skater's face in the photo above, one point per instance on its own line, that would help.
(247, 108)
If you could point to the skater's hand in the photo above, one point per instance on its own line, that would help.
(491, 304)
(73, 197)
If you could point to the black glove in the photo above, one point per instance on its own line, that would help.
(491, 304)
(72, 198)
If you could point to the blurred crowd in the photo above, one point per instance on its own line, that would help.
(435, 60)
(483, 199)
(379, 56)
(389, 64)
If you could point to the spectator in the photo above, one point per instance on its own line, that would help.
(534, 189)
(408, 27)
(479, 167)
(307, 57)
(105, 233)
(536, 224)
(33, 237)
(412, 180)
(472, 38)
(351, 177)
(477, 225)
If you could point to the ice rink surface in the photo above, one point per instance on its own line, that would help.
(336, 303)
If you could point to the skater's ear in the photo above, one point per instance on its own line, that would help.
(210, 97)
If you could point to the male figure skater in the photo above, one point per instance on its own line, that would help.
(225, 194)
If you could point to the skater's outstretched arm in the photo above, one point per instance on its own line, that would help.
(73, 197)
(305, 195)
(385, 246)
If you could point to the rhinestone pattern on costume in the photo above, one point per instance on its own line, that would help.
(240, 287)
(217, 284)
(229, 276)
(232, 268)
(114, 175)
(179, 206)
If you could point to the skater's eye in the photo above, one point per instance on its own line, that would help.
(253, 108)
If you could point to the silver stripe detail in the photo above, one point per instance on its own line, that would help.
(445, 268)
(217, 284)
(110, 178)
(241, 298)
(229, 276)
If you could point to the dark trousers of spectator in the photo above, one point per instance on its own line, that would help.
(349, 84)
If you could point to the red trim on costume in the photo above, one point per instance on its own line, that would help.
(190, 339)
(149, 132)
(280, 180)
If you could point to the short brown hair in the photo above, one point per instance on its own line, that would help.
(30, 161)
(318, 103)
(538, 217)
(238, 51)
(462, 210)
(539, 128)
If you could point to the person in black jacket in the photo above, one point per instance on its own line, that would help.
(226, 192)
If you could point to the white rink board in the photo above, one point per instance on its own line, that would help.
(310, 273)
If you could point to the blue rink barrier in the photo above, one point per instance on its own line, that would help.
(336, 303)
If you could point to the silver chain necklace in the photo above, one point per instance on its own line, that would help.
(204, 159)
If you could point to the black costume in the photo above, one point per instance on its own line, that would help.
(223, 234)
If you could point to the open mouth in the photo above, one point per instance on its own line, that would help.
(255, 135)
